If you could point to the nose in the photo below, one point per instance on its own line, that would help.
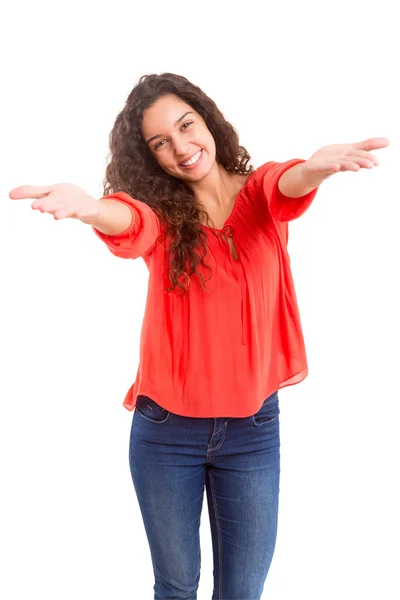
(181, 147)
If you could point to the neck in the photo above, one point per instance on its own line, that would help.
(215, 191)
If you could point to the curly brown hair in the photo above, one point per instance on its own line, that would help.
(134, 170)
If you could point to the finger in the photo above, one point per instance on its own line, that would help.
(362, 154)
(372, 144)
(65, 214)
(332, 166)
(349, 166)
(29, 191)
(43, 207)
(362, 162)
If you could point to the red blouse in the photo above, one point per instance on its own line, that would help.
(221, 351)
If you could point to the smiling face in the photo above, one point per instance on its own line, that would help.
(179, 139)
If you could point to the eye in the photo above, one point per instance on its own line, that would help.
(158, 144)
(187, 123)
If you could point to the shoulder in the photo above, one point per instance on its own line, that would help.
(259, 172)
(254, 181)
(267, 175)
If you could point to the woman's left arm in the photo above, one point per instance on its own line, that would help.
(302, 178)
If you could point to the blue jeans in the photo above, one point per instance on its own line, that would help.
(171, 459)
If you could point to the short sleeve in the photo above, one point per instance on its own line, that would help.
(281, 207)
(140, 237)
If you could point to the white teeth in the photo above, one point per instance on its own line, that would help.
(193, 160)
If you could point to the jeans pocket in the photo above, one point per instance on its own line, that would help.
(269, 411)
(150, 410)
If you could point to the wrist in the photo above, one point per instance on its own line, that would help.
(297, 181)
(96, 209)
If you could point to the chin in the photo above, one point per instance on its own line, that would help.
(198, 175)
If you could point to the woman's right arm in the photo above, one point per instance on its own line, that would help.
(114, 217)
(128, 227)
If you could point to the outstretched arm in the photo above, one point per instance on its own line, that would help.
(302, 178)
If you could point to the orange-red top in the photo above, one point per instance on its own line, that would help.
(221, 351)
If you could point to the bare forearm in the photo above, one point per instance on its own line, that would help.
(114, 217)
(294, 184)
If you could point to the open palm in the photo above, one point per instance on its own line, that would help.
(343, 157)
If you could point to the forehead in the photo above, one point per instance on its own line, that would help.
(163, 114)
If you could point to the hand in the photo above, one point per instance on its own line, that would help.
(341, 157)
(62, 200)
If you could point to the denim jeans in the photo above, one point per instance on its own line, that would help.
(171, 459)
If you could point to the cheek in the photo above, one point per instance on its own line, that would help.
(210, 145)
(164, 160)
(160, 157)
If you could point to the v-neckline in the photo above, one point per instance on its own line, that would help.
(235, 204)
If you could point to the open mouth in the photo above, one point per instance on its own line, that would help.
(193, 160)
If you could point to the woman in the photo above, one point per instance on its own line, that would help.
(221, 332)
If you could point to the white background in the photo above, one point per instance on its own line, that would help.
(291, 77)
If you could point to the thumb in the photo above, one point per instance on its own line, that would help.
(372, 144)
(30, 191)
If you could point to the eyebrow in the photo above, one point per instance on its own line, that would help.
(176, 123)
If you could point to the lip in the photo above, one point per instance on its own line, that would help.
(190, 167)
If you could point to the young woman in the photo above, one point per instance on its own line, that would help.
(221, 332)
